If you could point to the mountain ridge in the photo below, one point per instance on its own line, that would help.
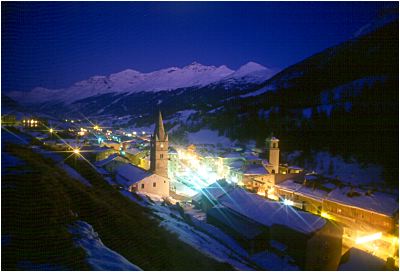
(133, 81)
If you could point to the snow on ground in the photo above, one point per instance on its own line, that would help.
(350, 172)
(181, 116)
(207, 136)
(99, 256)
(258, 92)
(74, 174)
(336, 167)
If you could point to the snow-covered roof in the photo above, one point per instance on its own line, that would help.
(289, 185)
(109, 159)
(270, 213)
(357, 260)
(131, 173)
(237, 165)
(255, 169)
(245, 228)
(378, 202)
(312, 192)
(215, 190)
(251, 157)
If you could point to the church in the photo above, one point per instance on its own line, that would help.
(155, 181)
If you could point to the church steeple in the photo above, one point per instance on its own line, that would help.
(159, 132)
(159, 149)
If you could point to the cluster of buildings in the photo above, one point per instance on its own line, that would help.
(261, 203)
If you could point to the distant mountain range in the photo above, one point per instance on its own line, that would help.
(131, 81)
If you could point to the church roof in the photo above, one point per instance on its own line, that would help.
(131, 174)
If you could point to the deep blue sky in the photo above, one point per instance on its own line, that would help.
(56, 44)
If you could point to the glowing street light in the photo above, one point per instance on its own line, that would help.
(143, 132)
(96, 127)
(51, 130)
(76, 151)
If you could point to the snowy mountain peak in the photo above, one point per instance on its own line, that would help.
(195, 66)
(251, 67)
(131, 81)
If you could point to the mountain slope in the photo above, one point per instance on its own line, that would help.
(344, 99)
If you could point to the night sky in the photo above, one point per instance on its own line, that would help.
(56, 44)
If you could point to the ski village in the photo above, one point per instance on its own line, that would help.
(240, 205)
(206, 136)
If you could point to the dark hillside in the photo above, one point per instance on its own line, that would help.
(38, 206)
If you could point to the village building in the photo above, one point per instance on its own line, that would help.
(314, 243)
(208, 197)
(112, 163)
(156, 180)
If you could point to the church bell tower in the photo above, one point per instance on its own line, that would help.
(159, 149)
(274, 154)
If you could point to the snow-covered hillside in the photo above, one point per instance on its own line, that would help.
(132, 81)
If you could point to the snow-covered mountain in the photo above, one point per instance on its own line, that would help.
(132, 81)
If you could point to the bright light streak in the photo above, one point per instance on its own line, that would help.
(368, 238)
(76, 151)
(326, 215)
(288, 202)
